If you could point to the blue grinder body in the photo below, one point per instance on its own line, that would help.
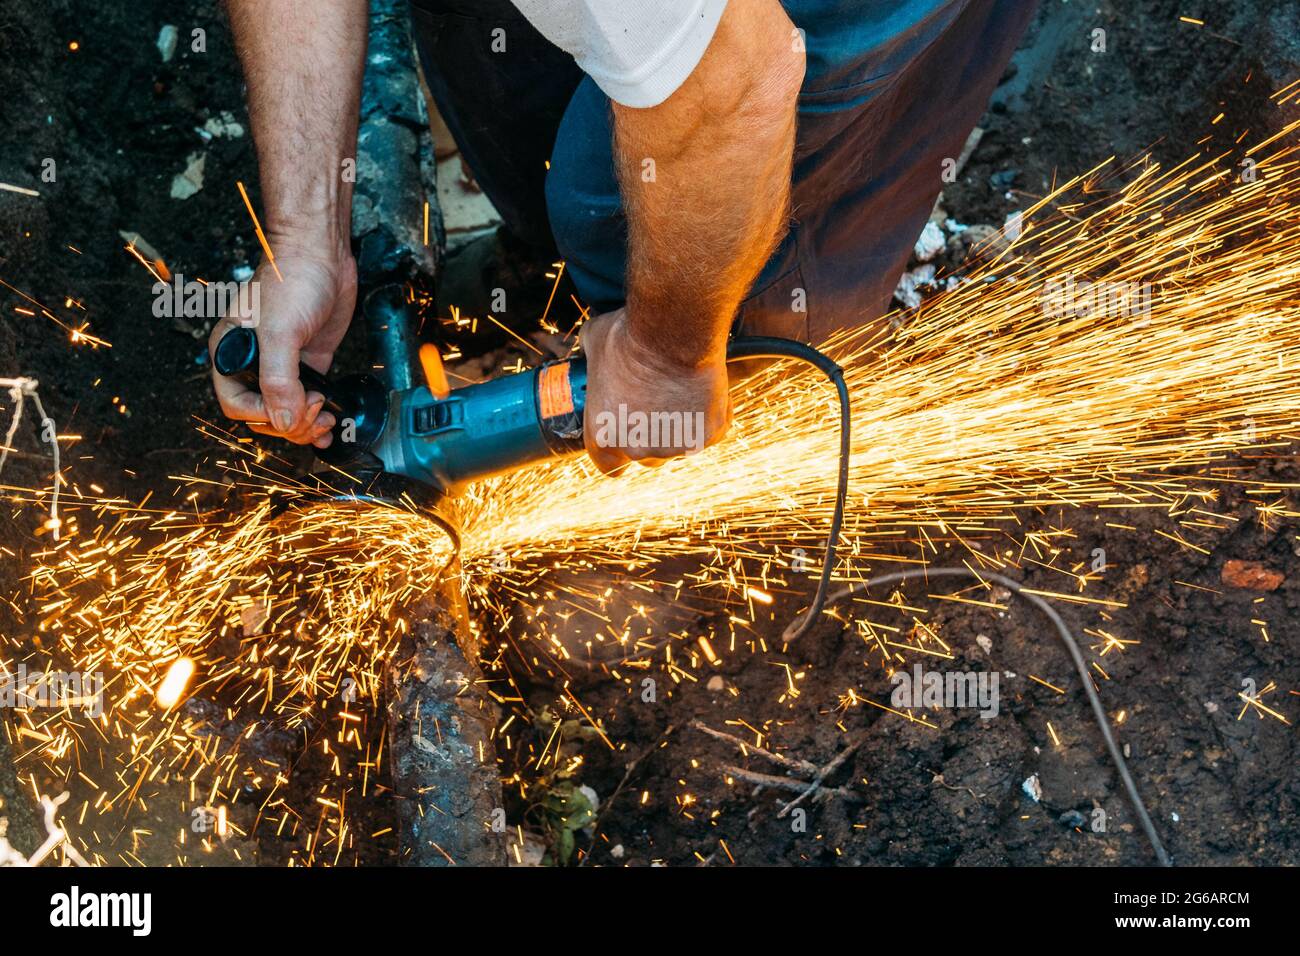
(487, 428)
(474, 432)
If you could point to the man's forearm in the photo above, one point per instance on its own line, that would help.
(303, 62)
(708, 209)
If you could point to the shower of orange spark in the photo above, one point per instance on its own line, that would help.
(998, 401)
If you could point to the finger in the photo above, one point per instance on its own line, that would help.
(321, 427)
(320, 433)
(282, 392)
(310, 427)
(237, 402)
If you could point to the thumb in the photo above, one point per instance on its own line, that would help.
(285, 398)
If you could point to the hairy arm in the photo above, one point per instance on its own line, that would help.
(722, 148)
(705, 178)
(303, 62)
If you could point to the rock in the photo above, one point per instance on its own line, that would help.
(224, 125)
(141, 244)
(930, 243)
(1013, 225)
(1073, 778)
(1072, 819)
(166, 43)
(1004, 180)
(1252, 575)
(909, 285)
(1033, 789)
(530, 853)
(186, 184)
(985, 642)
(716, 683)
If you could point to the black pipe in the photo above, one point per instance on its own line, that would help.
(390, 336)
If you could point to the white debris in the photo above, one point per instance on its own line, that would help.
(955, 227)
(1033, 789)
(166, 44)
(186, 184)
(242, 273)
(1013, 227)
(140, 244)
(617, 851)
(590, 794)
(1175, 817)
(985, 642)
(530, 853)
(911, 282)
(224, 124)
(1211, 707)
(930, 243)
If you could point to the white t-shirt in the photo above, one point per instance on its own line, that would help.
(638, 51)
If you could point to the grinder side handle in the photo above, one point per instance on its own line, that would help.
(236, 356)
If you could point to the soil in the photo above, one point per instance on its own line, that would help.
(120, 124)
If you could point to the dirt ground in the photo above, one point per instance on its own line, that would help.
(84, 85)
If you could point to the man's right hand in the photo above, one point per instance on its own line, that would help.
(300, 318)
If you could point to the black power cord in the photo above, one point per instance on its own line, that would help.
(761, 347)
(1071, 645)
(764, 347)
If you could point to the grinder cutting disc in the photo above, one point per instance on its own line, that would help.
(422, 502)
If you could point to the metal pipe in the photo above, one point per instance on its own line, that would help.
(440, 727)
(390, 335)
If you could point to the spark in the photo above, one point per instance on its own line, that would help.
(174, 683)
(257, 227)
(972, 417)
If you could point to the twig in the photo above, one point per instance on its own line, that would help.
(745, 747)
(822, 775)
(57, 837)
(789, 783)
(21, 389)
